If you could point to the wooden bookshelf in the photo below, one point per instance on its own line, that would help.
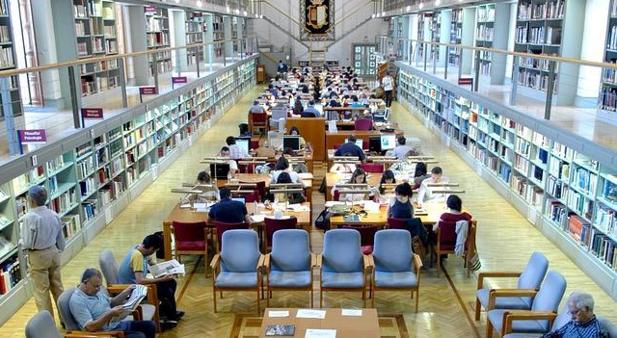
(7, 58)
(157, 37)
(95, 32)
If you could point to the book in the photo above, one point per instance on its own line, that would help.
(280, 330)
(172, 267)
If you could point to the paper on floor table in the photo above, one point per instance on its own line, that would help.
(320, 333)
(308, 313)
(278, 314)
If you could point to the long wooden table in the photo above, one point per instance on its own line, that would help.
(366, 325)
(307, 183)
(433, 211)
(372, 179)
(189, 215)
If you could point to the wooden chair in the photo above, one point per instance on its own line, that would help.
(191, 238)
(367, 235)
(446, 242)
(258, 121)
(221, 227)
(273, 225)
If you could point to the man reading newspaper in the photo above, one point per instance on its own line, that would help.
(134, 270)
(95, 311)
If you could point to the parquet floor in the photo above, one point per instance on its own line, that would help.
(505, 241)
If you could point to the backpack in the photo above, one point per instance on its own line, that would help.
(323, 220)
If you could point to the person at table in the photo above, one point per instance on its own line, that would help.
(294, 131)
(282, 166)
(402, 149)
(235, 152)
(351, 148)
(298, 107)
(257, 108)
(134, 270)
(334, 103)
(209, 191)
(293, 197)
(358, 177)
(355, 102)
(424, 192)
(233, 165)
(583, 323)
(420, 174)
(228, 210)
(400, 206)
(386, 178)
(273, 91)
(455, 212)
(95, 311)
(244, 130)
(310, 110)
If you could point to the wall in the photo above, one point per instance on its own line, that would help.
(596, 20)
(358, 11)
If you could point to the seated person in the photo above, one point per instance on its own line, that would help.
(310, 110)
(134, 269)
(420, 174)
(298, 107)
(282, 165)
(293, 197)
(400, 206)
(334, 103)
(454, 213)
(355, 103)
(584, 322)
(424, 192)
(366, 116)
(233, 165)
(235, 152)
(95, 311)
(228, 210)
(358, 177)
(402, 149)
(351, 148)
(244, 130)
(294, 131)
(386, 178)
(256, 108)
(207, 193)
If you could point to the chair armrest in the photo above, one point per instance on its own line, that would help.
(318, 260)
(417, 262)
(483, 275)
(510, 316)
(266, 262)
(216, 260)
(260, 262)
(512, 293)
(368, 262)
(115, 289)
(313, 260)
(88, 334)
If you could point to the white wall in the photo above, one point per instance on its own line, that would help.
(341, 51)
(592, 49)
(46, 49)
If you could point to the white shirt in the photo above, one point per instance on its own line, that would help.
(400, 151)
(425, 193)
(235, 152)
(386, 82)
(41, 229)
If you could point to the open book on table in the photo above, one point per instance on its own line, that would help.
(172, 267)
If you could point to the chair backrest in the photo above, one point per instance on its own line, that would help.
(341, 251)
(42, 325)
(392, 250)
(372, 167)
(607, 326)
(65, 310)
(397, 223)
(367, 232)
(290, 250)
(273, 225)
(189, 231)
(259, 117)
(550, 294)
(240, 251)
(109, 267)
(447, 233)
(534, 272)
(222, 227)
(563, 318)
(363, 124)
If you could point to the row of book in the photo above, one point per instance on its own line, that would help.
(63, 202)
(485, 33)
(486, 13)
(598, 243)
(5, 34)
(89, 208)
(606, 220)
(559, 169)
(6, 57)
(87, 186)
(71, 225)
(10, 274)
(585, 180)
(547, 10)
(613, 9)
(85, 168)
(155, 24)
(533, 80)
(608, 99)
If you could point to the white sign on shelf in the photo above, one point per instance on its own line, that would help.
(532, 215)
(448, 141)
(351, 312)
(479, 169)
(35, 160)
(155, 171)
(278, 314)
(109, 216)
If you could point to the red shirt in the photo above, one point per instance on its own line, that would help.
(450, 217)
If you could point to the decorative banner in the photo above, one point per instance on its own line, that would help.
(317, 19)
(32, 136)
(92, 113)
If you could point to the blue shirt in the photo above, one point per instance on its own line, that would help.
(310, 111)
(86, 308)
(133, 262)
(350, 148)
(591, 329)
(228, 211)
(400, 210)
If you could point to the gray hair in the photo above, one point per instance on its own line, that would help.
(581, 300)
(38, 194)
(89, 273)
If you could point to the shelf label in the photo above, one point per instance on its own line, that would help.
(32, 136)
(150, 9)
(532, 215)
(479, 170)
(92, 113)
(35, 160)
(149, 90)
(109, 216)
(179, 79)
(155, 171)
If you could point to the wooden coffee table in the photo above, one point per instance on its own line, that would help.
(366, 325)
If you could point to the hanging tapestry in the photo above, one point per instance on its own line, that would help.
(317, 19)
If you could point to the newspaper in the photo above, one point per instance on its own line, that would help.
(172, 267)
(139, 293)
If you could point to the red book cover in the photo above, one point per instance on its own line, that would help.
(2, 285)
(575, 226)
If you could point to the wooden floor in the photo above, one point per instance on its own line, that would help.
(505, 241)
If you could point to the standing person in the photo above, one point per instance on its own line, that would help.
(388, 86)
(281, 67)
(42, 239)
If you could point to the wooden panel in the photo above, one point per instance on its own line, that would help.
(313, 131)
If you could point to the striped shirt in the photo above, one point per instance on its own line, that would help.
(572, 329)
(41, 229)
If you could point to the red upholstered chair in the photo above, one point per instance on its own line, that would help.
(363, 124)
(372, 167)
(336, 195)
(397, 223)
(221, 227)
(246, 168)
(336, 146)
(367, 236)
(273, 225)
(446, 241)
(254, 144)
(259, 121)
(191, 238)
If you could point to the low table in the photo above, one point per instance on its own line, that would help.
(366, 325)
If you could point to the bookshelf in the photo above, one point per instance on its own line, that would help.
(7, 59)
(195, 29)
(485, 34)
(157, 37)
(95, 33)
(608, 89)
(435, 29)
(218, 35)
(396, 32)
(93, 175)
(456, 36)
(557, 181)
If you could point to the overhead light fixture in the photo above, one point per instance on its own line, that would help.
(437, 2)
(421, 5)
(227, 9)
(383, 13)
(198, 3)
(177, 1)
(373, 16)
(408, 8)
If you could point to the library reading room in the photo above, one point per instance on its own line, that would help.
(308, 168)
